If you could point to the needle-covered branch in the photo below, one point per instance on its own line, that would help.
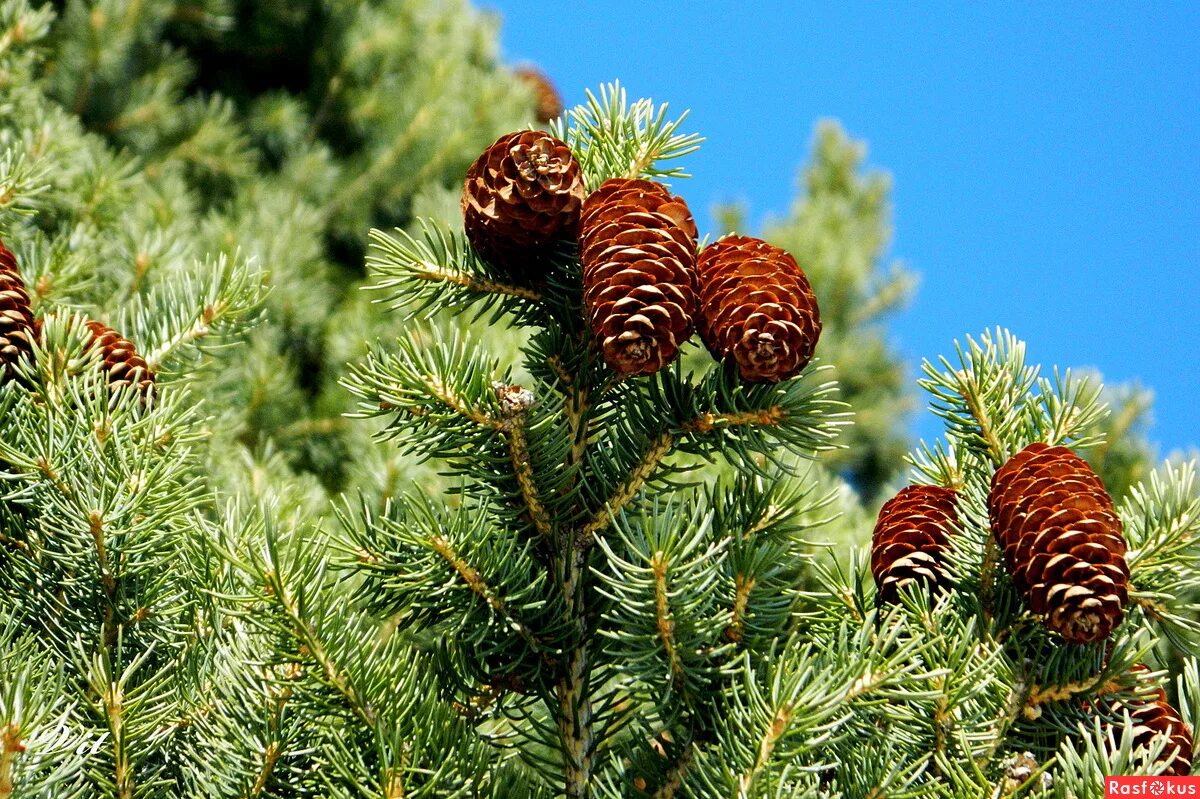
(437, 270)
(453, 573)
(746, 422)
(440, 395)
(44, 750)
(983, 398)
(1162, 525)
(664, 575)
(613, 138)
(210, 307)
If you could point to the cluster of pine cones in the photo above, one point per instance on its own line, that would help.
(19, 330)
(646, 287)
(1062, 545)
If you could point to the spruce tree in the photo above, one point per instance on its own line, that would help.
(646, 632)
(585, 556)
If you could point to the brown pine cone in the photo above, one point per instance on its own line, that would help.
(911, 538)
(121, 360)
(637, 246)
(549, 101)
(1159, 718)
(520, 197)
(757, 307)
(17, 325)
(1062, 541)
(1153, 716)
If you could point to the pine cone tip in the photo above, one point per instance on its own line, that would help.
(121, 361)
(910, 540)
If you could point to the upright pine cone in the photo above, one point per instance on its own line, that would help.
(1062, 541)
(757, 307)
(1153, 716)
(17, 326)
(911, 538)
(549, 101)
(121, 360)
(637, 246)
(521, 196)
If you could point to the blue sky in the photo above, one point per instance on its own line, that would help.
(1045, 160)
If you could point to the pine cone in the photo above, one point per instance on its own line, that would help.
(1153, 716)
(757, 307)
(121, 360)
(520, 197)
(1062, 542)
(638, 251)
(17, 325)
(910, 539)
(549, 101)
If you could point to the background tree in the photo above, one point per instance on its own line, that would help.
(294, 127)
(840, 228)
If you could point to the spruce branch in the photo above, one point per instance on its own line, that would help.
(22, 183)
(664, 574)
(1071, 410)
(518, 445)
(657, 449)
(576, 732)
(773, 719)
(479, 586)
(279, 591)
(1162, 525)
(197, 313)
(440, 270)
(612, 138)
(442, 390)
(983, 398)
(418, 560)
(43, 749)
(747, 422)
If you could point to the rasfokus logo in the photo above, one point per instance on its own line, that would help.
(1151, 787)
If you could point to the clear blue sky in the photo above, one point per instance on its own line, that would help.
(1046, 162)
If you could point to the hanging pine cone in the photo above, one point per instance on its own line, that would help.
(1062, 542)
(1159, 718)
(911, 538)
(757, 307)
(121, 360)
(17, 325)
(637, 247)
(549, 101)
(1153, 716)
(520, 197)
